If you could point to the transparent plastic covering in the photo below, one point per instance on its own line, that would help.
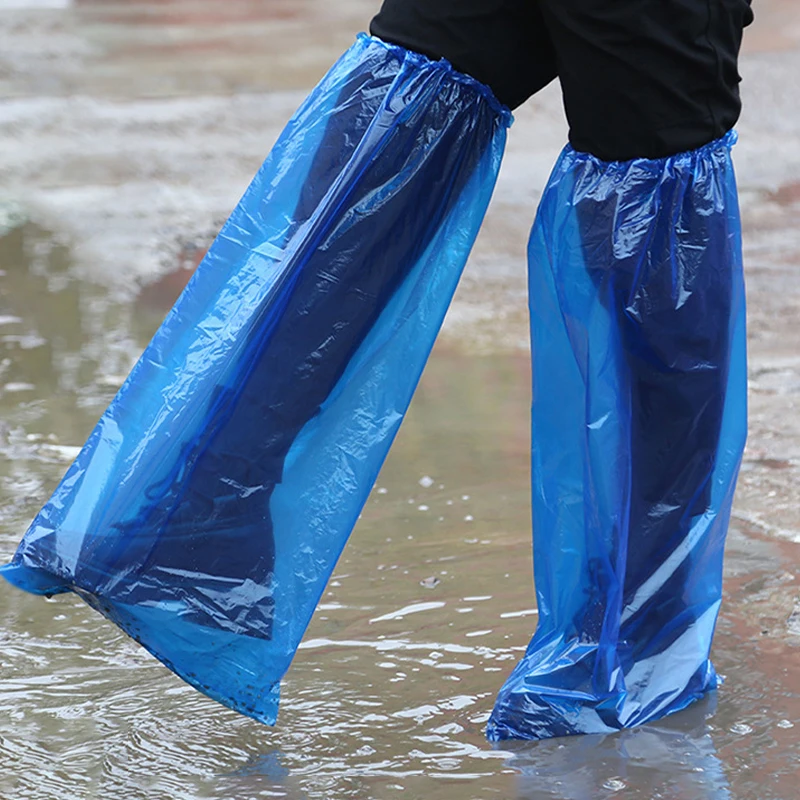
(206, 511)
(639, 423)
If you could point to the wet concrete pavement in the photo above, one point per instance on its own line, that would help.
(127, 132)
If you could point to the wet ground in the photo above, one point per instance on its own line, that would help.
(127, 132)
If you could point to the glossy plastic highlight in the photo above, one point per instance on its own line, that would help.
(639, 423)
(209, 506)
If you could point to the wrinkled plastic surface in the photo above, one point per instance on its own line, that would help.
(638, 426)
(208, 507)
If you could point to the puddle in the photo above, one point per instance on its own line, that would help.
(396, 677)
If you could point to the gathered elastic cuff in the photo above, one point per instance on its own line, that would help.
(503, 111)
(724, 143)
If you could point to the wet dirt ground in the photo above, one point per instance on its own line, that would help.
(128, 130)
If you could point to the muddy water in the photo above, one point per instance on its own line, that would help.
(431, 605)
(129, 131)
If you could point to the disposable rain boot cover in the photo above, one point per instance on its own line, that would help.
(639, 423)
(206, 511)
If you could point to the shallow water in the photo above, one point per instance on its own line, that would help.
(430, 607)
(130, 130)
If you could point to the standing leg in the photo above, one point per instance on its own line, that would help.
(638, 357)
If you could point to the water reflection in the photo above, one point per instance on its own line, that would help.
(264, 774)
(675, 759)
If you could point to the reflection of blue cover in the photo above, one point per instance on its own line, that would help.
(639, 421)
(206, 511)
(674, 758)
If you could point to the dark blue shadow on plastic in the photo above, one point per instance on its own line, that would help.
(639, 423)
(208, 508)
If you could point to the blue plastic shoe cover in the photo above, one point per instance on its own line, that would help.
(206, 511)
(639, 423)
